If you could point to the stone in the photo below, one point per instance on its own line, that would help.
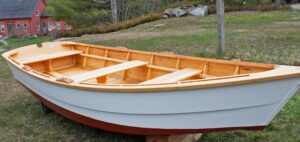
(295, 6)
(165, 16)
(175, 12)
(198, 11)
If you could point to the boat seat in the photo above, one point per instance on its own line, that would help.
(107, 70)
(174, 76)
(45, 57)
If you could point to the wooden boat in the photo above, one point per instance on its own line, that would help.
(147, 93)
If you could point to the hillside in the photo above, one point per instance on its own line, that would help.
(247, 34)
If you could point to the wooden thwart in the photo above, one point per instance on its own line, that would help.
(107, 70)
(174, 76)
(48, 56)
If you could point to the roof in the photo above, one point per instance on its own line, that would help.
(14, 9)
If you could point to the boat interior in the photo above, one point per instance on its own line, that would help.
(69, 62)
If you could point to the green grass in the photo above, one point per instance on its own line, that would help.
(271, 37)
(19, 42)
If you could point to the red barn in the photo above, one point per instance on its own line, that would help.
(27, 17)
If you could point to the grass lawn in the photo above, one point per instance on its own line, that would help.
(1, 44)
(271, 37)
(19, 42)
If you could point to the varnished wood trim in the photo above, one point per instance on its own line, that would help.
(85, 58)
(278, 73)
(247, 64)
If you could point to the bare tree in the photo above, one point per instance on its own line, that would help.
(278, 1)
(114, 11)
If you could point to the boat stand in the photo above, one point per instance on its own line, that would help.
(45, 109)
(174, 138)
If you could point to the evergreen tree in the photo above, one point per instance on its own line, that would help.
(79, 13)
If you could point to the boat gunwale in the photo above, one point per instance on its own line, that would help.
(219, 61)
(188, 85)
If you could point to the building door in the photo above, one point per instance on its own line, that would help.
(10, 29)
(44, 27)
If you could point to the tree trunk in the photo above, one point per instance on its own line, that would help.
(114, 11)
(221, 30)
(278, 1)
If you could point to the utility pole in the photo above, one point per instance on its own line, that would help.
(114, 11)
(221, 29)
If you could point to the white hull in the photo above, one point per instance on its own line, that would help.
(220, 107)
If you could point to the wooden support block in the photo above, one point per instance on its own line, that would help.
(64, 80)
(101, 80)
(27, 68)
(174, 138)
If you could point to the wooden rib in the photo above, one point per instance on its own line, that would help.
(49, 65)
(237, 70)
(174, 76)
(149, 68)
(178, 64)
(125, 72)
(84, 64)
(205, 69)
(105, 58)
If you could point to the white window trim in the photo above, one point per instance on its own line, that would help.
(37, 13)
(18, 27)
(69, 27)
(58, 25)
(49, 26)
(38, 27)
(2, 28)
(25, 27)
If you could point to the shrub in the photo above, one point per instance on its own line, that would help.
(255, 5)
(111, 27)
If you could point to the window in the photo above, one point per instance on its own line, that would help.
(58, 25)
(49, 26)
(37, 13)
(2, 28)
(18, 27)
(38, 26)
(25, 28)
(69, 27)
